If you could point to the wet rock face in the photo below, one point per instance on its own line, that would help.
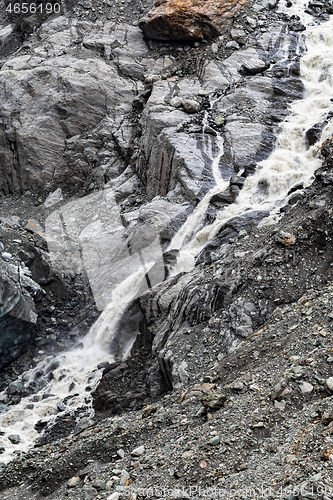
(17, 311)
(60, 99)
(327, 152)
(177, 149)
(189, 19)
(55, 102)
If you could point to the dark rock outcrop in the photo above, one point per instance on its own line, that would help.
(17, 310)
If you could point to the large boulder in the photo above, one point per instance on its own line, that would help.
(189, 19)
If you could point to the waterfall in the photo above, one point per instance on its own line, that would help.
(291, 161)
(73, 374)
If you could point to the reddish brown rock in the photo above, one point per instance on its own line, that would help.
(189, 19)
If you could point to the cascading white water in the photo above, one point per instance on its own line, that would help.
(291, 161)
(188, 231)
(69, 374)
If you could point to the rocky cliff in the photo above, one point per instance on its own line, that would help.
(119, 121)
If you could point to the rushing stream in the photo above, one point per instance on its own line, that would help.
(73, 374)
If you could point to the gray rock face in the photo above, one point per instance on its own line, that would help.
(17, 310)
(69, 110)
(55, 100)
(59, 98)
(175, 157)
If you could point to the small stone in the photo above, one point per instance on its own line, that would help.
(328, 454)
(219, 121)
(254, 65)
(329, 384)
(114, 496)
(287, 239)
(176, 102)
(290, 458)
(316, 477)
(280, 391)
(280, 405)
(137, 452)
(14, 438)
(295, 197)
(237, 386)
(99, 485)
(294, 359)
(54, 198)
(148, 411)
(121, 453)
(6, 256)
(214, 440)
(213, 401)
(306, 388)
(252, 22)
(232, 45)
(73, 482)
(109, 485)
(238, 35)
(258, 425)
(215, 48)
(124, 477)
(191, 106)
(327, 416)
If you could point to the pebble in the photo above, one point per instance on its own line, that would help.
(6, 256)
(329, 384)
(219, 120)
(176, 102)
(109, 485)
(99, 485)
(306, 388)
(215, 48)
(287, 239)
(214, 440)
(137, 452)
(73, 482)
(254, 65)
(252, 22)
(120, 453)
(237, 385)
(213, 401)
(232, 45)
(191, 106)
(114, 496)
(280, 391)
(124, 477)
(290, 458)
(280, 405)
(238, 35)
(14, 438)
